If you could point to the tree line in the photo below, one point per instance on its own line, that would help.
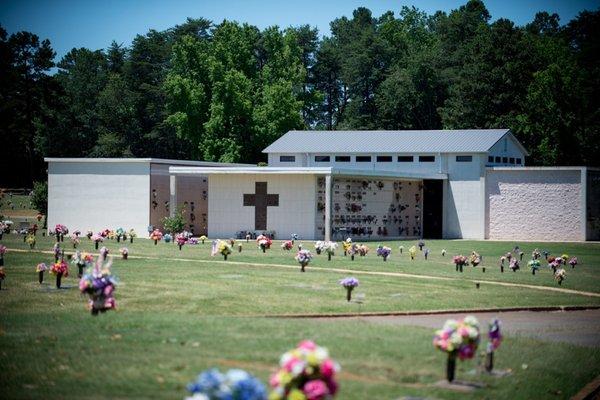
(223, 92)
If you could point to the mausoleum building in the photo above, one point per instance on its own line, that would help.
(470, 184)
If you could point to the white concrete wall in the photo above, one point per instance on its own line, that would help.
(99, 195)
(295, 213)
(464, 203)
(535, 204)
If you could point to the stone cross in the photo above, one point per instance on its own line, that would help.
(261, 200)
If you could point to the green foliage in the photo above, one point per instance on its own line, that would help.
(176, 223)
(224, 92)
(39, 197)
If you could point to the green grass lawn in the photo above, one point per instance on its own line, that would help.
(183, 311)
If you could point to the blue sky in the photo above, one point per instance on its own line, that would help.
(94, 24)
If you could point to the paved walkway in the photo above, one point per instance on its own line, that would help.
(575, 327)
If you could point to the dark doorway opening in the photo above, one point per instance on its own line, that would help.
(433, 208)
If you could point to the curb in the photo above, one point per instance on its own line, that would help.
(435, 312)
(590, 391)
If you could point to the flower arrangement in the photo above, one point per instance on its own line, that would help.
(234, 384)
(264, 242)
(383, 252)
(287, 245)
(457, 339)
(80, 262)
(349, 283)
(221, 247)
(425, 252)
(475, 259)
(202, 238)
(560, 275)
(534, 265)
(347, 245)
(57, 251)
(494, 340)
(421, 244)
(535, 254)
(443, 252)
(554, 263)
(89, 234)
(459, 261)
(305, 373)
(60, 230)
(573, 262)
(502, 260)
(303, 257)
(99, 284)
(156, 235)
(2, 252)
(104, 252)
(514, 265)
(60, 269)
(239, 246)
(401, 248)
(119, 232)
(30, 240)
(97, 238)
(521, 255)
(192, 241)
(181, 240)
(564, 258)
(132, 234)
(363, 250)
(2, 276)
(124, 252)
(40, 269)
(294, 237)
(329, 248)
(508, 256)
(74, 240)
(413, 252)
(167, 238)
(319, 246)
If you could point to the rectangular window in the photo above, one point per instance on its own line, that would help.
(342, 158)
(287, 158)
(490, 159)
(464, 158)
(405, 158)
(519, 161)
(426, 158)
(498, 160)
(504, 160)
(363, 158)
(512, 160)
(322, 158)
(384, 158)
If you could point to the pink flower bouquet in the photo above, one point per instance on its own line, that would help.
(457, 339)
(305, 373)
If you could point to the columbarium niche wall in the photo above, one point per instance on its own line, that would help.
(371, 208)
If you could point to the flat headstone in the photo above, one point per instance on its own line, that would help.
(459, 386)
(397, 294)
(231, 276)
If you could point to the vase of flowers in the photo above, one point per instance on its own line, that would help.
(349, 284)
(401, 248)
(475, 259)
(306, 372)
(443, 252)
(202, 238)
(132, 235)
(573, 262)
(347, 245)
(74, 240)
(124, 252)
(535, 254)
(421, 244)
(494, 340)
(40, 269)
(2, 252)
(234, 384)
(60, 230)
(224, 249)
(329, 248)
(412, 251)
(264, 242)
(560, 275)
(2, 276)
(502, 260)
(167, 238)
(287, 245)
(319, 246)
(79, 261)
(60, 269)
(30, 240)
(459, 261)
(156, 235)
(534, 265)
(303, 257)
(119, 232)
(384, 252)
(97, 239)
(57, 251)
(239, 246)
(181, 240)
(459, 339)
(99, 284)
(514, 264)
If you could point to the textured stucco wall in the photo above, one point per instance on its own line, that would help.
(98, 195)
(295, 213)
(534, 204)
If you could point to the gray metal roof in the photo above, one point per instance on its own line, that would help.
(410, 141)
